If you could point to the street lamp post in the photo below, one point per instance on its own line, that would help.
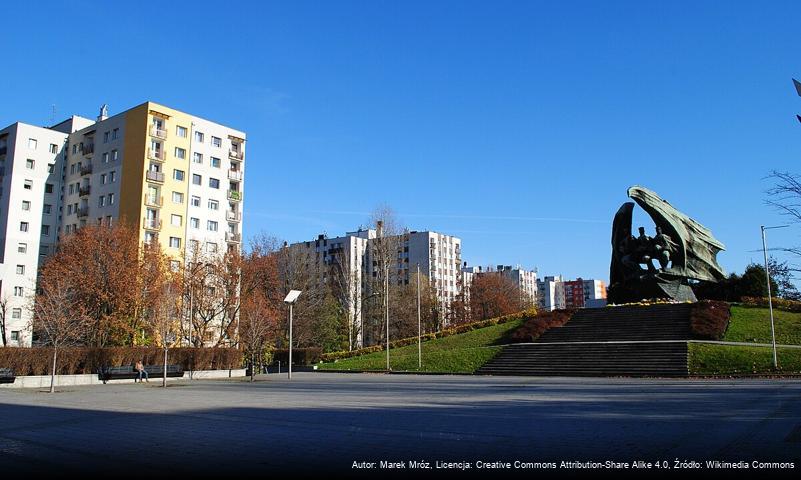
(770, 301)
(290, 299)
(386, 303)
(419, 325)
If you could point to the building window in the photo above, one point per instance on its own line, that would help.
(32, 143)
(48, 188)
(178, 175)
(20, 269)
(177, 197)
(47, 209)
(180, 153)
(51, 167)
(71, 190)
(199, 137)
(215, 162)
(214, 183)
(105, 157)
(216, 141)
(103, 179)
(111, 175)
(28, 185)
(194, 222)
(16, 313)
(212, 226)
(75, 149)
(29, 164)
(175, 242)
(111, 199)
(176, 220)
(26, 205)
(214, 205)
(211, 247)
(175, 265)
(149, 237)
(22, 248)
(23, 226)
(197, 157)
(105, 137)
(53, 148)
(101, 202)
(197, 179)
(180, 131)
(46, 230)
(15, 335)
(115, 155)
(195, 201)
(19, 292)
(115, 133)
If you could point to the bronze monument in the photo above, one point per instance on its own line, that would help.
(682, 248)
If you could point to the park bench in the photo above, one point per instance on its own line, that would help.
(7, 375)
(128, 372)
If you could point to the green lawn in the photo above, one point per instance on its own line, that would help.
(463, 353)
(751, 325)
(709, 359)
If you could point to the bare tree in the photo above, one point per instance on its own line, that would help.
(59, 318)
(259, 323)
(785, 196)
(3, 320)
(346, 286)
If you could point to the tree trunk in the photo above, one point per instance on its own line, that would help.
(164, 378)
(252, 368)
(53, 371)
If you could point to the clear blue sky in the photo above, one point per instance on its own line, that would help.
(517, 126)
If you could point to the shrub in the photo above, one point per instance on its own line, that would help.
(709, 319)
(447, 332)
(541, 323)
(778, 303)
(85, 360)
(300, 356)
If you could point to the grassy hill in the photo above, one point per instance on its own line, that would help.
(751, 325)
(462, 353)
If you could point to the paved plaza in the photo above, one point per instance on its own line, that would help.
(333, 420)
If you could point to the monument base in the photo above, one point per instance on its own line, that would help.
(650, 287)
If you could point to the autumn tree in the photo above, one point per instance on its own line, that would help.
(60, 318)
(493, 295)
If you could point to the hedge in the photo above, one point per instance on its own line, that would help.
(447, 332)
(778, 303)
(541, 323)
(709, 319)
(85, 360)
(300, 356)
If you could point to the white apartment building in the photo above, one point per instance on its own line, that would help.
(525, 280)
(551, 293)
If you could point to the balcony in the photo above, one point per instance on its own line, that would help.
(83, 212)
(158, 133)
(84, 191)
(233, 216)
(236, 155)
(233, 237)
(235, 175)
(157, 177)
(151, 223)
(154, 201)
(157, 155)
(235, 195)
(86, 169)
(88, 149)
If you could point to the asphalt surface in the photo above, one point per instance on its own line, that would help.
(326, 422)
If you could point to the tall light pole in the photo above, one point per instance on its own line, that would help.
(419, 325)
(386, 303)
(291, 298)
(770, 301)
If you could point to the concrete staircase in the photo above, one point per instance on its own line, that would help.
(635, 341)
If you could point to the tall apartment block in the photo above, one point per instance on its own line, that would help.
(176, 177)
(556, 293)
(354, 255)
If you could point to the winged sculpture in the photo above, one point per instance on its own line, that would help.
(645, 267)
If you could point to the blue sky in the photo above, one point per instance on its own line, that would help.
(517, 126)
